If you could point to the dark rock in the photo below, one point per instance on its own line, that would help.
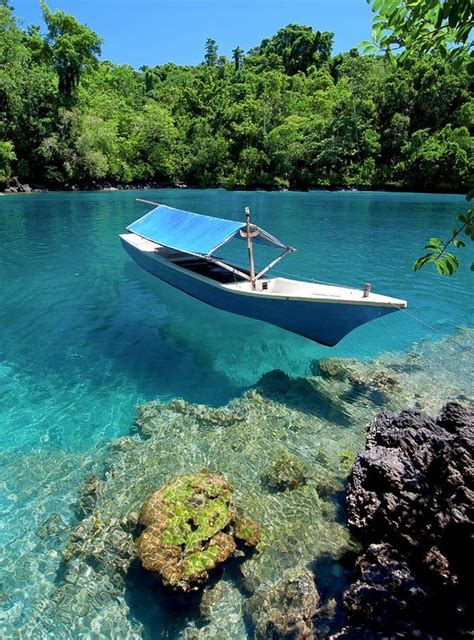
(386, 591)
(410, 500)
(38, 186)
(286, 611)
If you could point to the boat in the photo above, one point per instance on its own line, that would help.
(181, 248)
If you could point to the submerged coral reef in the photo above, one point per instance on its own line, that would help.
(191, 527)
(287, 609)
(317, 421)
(287, 472)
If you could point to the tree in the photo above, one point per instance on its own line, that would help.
(7, 155)
(210, 55)
(444, 160)
(426, 26)
(74, 48)
(285, 146)
(291, 115)
(154, 143)
(237, 55)
(298, 47)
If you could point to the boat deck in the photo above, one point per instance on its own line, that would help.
(268, 287)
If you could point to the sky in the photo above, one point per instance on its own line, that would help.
(151, 32)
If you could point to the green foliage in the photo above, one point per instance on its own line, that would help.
(444, 27)
(441, 158)
(421, 26)
(285, 115)
(446, 263)
(7, 155)
(73, 48)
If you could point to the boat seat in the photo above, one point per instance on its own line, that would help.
(177, 256)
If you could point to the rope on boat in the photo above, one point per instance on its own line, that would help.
(420, 320)
(432, 327)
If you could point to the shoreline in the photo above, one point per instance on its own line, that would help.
(27, 190)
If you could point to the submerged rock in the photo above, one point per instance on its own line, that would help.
(148, 414)
(51, 526)
(191, 527)
(285, 611)
(247, 531)
(335, 368)
(411, 501)
(89, 493)
(377, 383)
(320, 420)
(285, 473)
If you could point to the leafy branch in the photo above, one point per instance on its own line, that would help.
(446, 263)
(422, 26)
(417, 27)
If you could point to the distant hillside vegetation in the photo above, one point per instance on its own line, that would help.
(286, 114)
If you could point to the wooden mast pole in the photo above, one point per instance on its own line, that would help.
(250, 247)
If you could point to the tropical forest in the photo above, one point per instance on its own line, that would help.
(287, 114)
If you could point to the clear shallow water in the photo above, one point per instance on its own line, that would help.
(86, 335)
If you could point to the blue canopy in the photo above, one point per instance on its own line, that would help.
(191, 232)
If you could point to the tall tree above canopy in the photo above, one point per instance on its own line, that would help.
(237, 55)
(210, 55)
(74, 48)
(13, 63)
(299, 47)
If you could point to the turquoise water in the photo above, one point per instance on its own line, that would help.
(86, 336)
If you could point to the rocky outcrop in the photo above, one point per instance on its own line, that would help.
(411, 502)
(13, 185)
(191, 527)
(285, 611)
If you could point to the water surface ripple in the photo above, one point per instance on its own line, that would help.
(86, 336)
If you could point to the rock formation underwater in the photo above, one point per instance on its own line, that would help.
(287, 446)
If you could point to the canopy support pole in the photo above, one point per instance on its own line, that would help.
(228, 267)
(250, 247)
(274, 262)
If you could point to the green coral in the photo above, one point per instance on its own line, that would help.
(186, 523)
(200, 561)
(213, 517)
(247, 531)
(347, 459)
(285, 473)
